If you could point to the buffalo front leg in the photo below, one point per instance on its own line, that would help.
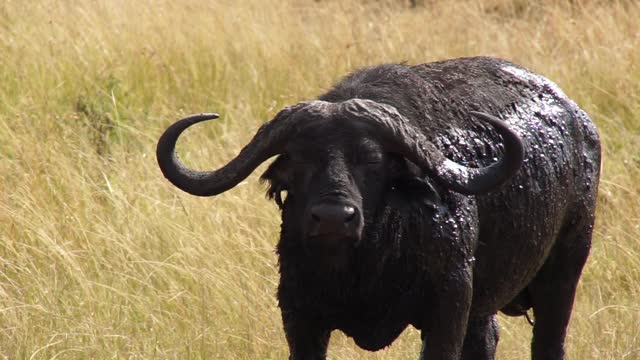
(553, 291)
(307, 338)
(481, 339)
(445, 325)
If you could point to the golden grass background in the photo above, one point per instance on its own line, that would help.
(100, 257)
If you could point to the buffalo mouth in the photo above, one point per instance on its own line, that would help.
(330, 250)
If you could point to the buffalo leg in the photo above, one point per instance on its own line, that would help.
(553, 290)
(481, 338)
(307, 339)
(446, 323)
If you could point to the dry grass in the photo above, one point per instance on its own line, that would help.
(101, 258)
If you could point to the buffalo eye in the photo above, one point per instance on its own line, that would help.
(301, 162)
(373, 159)
(296, 159)
(367, 153)
(368, 158)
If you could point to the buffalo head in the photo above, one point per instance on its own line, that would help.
(335, 163)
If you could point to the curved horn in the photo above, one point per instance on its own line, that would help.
(268, 141)
(405, 139)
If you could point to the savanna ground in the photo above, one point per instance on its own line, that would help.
(100, 257)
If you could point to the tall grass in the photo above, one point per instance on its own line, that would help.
(101, 258)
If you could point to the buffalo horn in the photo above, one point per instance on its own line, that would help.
(267, 142)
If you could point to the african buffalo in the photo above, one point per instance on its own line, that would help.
(433, 195)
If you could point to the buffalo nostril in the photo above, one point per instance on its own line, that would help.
(333, 219)
(332, 214)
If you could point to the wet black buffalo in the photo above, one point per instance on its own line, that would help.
(409, 202)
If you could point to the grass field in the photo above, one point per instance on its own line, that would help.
(100, 257)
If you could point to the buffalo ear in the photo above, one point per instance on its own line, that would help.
(278, 175)
(409, 179)
(422, 189)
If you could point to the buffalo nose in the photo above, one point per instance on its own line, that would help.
(329, 218)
